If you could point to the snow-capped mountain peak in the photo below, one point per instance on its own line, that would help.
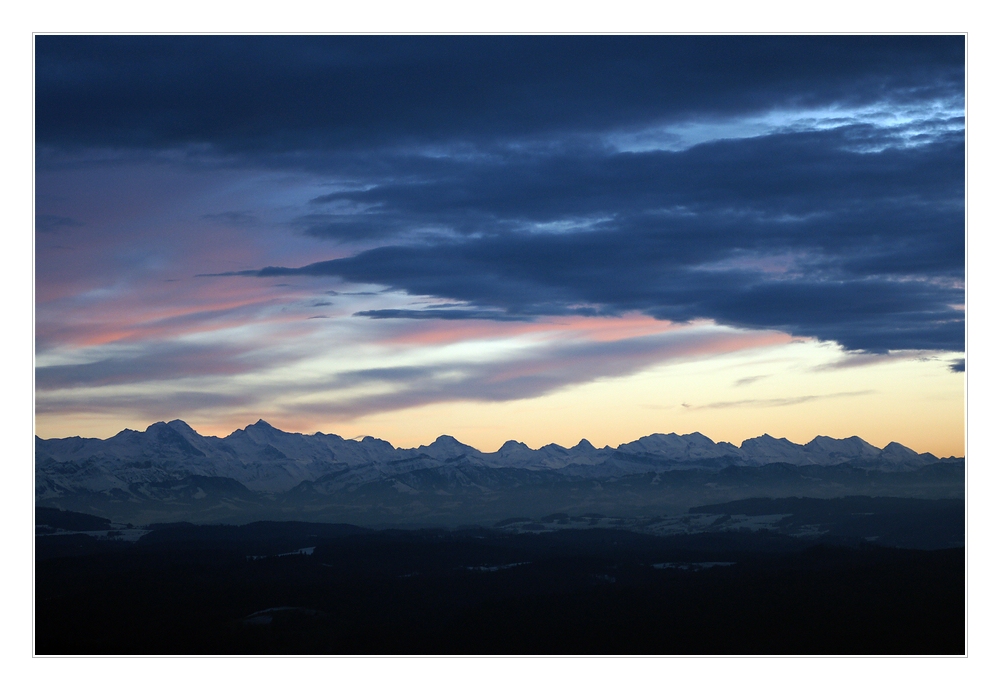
(264, 458)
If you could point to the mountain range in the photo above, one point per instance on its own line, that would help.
(170, 470)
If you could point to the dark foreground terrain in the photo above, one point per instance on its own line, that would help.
(306, 588)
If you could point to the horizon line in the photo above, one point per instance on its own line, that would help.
(361, 438)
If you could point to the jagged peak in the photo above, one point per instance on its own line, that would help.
(445, 441)
(768, 437)
(671, 435)
(512, 444)
(822, 443)
(822, 437)
(262, 429)
(584, 444)
(172, 431)
(898, 447)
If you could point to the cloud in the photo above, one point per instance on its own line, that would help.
(161, 406)
(750, 379)
(775, 402)
(540, 370)
(541, 362)
(152, 362)
(799, 231)
(445, 314)
(858, 359)
(658, 272)
(809, 185)
(958, 365)
(265, 95)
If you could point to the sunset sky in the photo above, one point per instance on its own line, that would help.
(495, 237)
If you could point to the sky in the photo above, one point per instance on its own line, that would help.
(545, 238)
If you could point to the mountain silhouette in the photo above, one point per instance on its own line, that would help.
(172, 470)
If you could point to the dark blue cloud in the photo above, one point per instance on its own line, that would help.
(490, 171)
(792, 231)
(873, 314)
(800, 191)
(278, 93)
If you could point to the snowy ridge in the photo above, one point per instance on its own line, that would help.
(265, 459)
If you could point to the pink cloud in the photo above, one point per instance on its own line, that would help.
(597, 329)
